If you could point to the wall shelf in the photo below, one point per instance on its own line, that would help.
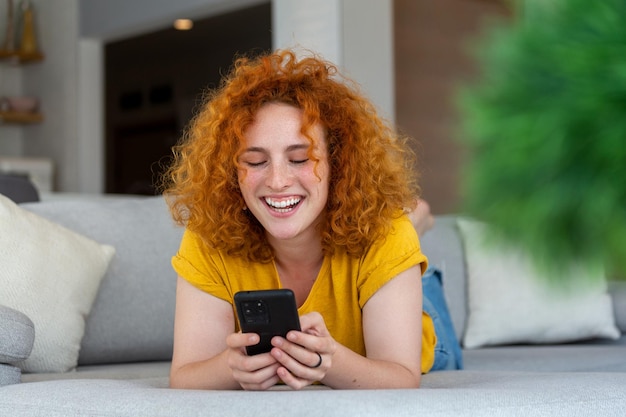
(13, 117)
(18, 58)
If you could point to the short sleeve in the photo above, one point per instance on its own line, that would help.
(201, 266)
(388, 257)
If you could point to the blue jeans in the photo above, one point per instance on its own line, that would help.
(447, 350)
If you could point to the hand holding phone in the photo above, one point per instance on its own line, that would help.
(268, 313)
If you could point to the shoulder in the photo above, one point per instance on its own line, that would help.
(400, 245)
(403, 225)
(197, 251)
(401, 237)
(216, 272)
(389, 256)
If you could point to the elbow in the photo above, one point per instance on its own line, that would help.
(177, 381)
(414, 378)
(174, 382)
(409, 379)
(417, 380)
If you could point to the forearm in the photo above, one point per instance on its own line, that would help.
(210, 374)
(350, 370)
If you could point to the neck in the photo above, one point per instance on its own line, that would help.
(293, 255)
(298, 264)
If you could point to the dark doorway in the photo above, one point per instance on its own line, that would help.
(154, 83)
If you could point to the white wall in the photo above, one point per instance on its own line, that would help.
(91, 146)
(368, 50)
(309, 25)
(54, 81)
(357, 35)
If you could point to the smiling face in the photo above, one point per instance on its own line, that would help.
(283, 188)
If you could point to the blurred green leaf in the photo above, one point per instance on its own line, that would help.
(546, 130)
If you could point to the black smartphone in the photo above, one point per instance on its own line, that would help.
(268, 313)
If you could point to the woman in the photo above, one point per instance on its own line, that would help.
(287, 178)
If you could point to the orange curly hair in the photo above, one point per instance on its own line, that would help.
(371, 167)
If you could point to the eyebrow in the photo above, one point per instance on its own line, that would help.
(290, 148)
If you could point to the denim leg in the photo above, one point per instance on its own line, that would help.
(447, 350)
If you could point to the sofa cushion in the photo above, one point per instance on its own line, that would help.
(9, 374)
(601, 355)
(17, 335)
(130, 370)
(445, 393)
(512, 302)
(133, 316)
(52, 275)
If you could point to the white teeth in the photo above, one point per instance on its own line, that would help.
(282, 204)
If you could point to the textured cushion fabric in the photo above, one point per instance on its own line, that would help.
(601, 356)
(445, 393)
(133, 316)
(9, 374)
(510, 302)
(52, 275)
(17, 335)
(443, 247)
(135, 370)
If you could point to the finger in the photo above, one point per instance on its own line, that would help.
(245, 363)
(262, 386)
(291, 380)
(306, 355)
(310, 341)
(300, 364)
(294, 374)
(313, 323)
(262, 378)
(241, 340)
(254, 372)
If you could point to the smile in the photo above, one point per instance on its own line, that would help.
(283, 206)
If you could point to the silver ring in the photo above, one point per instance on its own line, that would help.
(319, 362)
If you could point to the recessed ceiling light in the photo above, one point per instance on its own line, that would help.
(183, 24)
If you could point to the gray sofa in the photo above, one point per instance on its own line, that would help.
(123, 363)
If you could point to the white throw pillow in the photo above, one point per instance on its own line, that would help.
(52, 275)
(510, 302)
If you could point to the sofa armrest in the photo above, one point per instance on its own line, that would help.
(17, 336)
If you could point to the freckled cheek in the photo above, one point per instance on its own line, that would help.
(320, 179)
(247, 187)
(247, 179)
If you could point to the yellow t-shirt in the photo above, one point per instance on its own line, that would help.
(342, 288)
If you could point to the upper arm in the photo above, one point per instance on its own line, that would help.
(201, 324)
(392, 321)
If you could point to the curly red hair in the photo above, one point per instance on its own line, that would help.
(372, 175)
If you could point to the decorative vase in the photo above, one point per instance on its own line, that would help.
(28, 44)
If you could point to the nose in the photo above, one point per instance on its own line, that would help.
(279, 176)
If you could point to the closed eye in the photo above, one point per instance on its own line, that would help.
(299, 161)
(255, 164)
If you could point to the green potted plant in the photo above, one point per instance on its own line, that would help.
(546, 130)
